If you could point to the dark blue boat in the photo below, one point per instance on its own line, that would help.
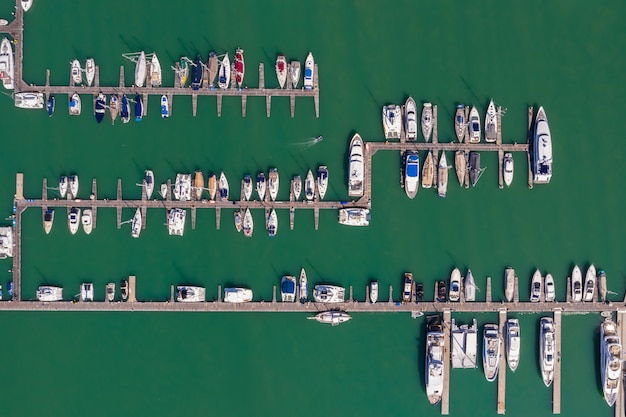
(100, 107)
(10, 288)
(138, 108)
(196, 77)
(50, 106)
(125, 111)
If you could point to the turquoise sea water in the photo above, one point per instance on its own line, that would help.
(563, 55)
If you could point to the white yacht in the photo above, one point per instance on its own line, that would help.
(411, 173)
(86, 292)
(354, 216)
(190, 294)
(87, 220)
(176, 221)
(222, 187)
(309, 186)
(90, 71)
(48, 293)
(322, 181)
(542, 149)
(355, 168)
(140, 70)
(273, 183)
(272, 223)
(442, 176)
(334, 318)
(610, 361)
(590, 284)
(137, 224)
(513, 343)
(469, 286)
(547, 349)
(434, 369)
(48, 220)
(7, 66)
(246, 187)
(73, 220)
(309, 68)
(288, 289)
(63, 184)
(491, 123)
(29, 100)
(76, 72)
(149, 183)
(26, 4)
(577, 284)
(550, 293)
(296, 187)
(508, 168)
(248, 223)
(155, 71)
(182, 187)
(329, 294)
(410, 119)
(73, 187)
(110, 292)
(392, 121)
(535, 287)
(427, 121)
(491, 351)
(474, 126)
(261, 185)
(455, 285)
(303, 287)
(509, 283)
(237, 295)
(373, 292)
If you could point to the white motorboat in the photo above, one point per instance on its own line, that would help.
(155, 71)
(509, 283)
(26, 4)
(590, 284)
(48, 220)
(513, 343)
(281, 70)
(63, 186)
(73, 187)
(163, 191)
(76, 72)
(47, 293)
(331, 317)
(273, 183)
(261, 185)
(86, 292)
(246, 187)
(322, 181)
(474, 126)
(87, 220)
(296, 187)
(272, 223)
(491, 123)
(577, 284)
(148, 183)
(407, 290)
(136, 224)
(491, 351)
(73, 220)
(75, 105)
(610, 361)
(309, 186)
(248, 223)
(547, 350)
(165, 107)
(309, 68)
(140, 70)
(176, 222)
(288, 289)
(373, 292)
(190, 294)
(392, 121)
(222, 187)
(455, 285)
(29, 100)
(508, 168)
(428, 171)
(356, 185)
(434, 369)
(238, 220)
(550, 293)
(354, 216)
(542, 149)
(90, 71)
(469, 286)
(411, 173)
(294, 73)
(410, 119)
(110, 292)
(223, 79)
(535, 287)
(7, 64)
(182, 187)
(237, 295)
(442, 176)
(460, 124)
(427, 121)
(303, 287)
(329, 294)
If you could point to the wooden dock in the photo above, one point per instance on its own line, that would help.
(447, 351)
(556, 383)
(621, 329)
(502, 365)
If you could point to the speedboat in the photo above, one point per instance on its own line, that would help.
(535, 287)
(26, 4)
(28, 100)
(590, 283)
(474, 167)
(238, 220)
(76, 72)
(7, 66)
(474, 126)
(434, 369)
(442, 176)
(110, 292)
(273, 183)
(294, 73)
(261, 185)
(610, 361)
(155, 71)
(213, 67)
(113, 107)
(509, 283)
(428, 171)
(73, 186)
(248, 223)
(86, 291)
(491, 351)
(47, 293)
(460, 166)
(309, 186)
(212, 186)
(223, 80)
(198, 184)
(48, 220)
(513, 343)
(469, 286)
(136, 224)
(354, 216)
(87, 220)
(176, 222)
(547, 350)
(407, 290)
(322, 181)
(50, 105)
(296, 185)
(272, 223)
(149, 183)
(73, 220)
(577, 284)
(288, 289)
(542, 149)
(237, 295)
(427, 121)
(455, 285)
(334, 318)
(507, 168)
(63, 185)
(222, 187)
(138, 108)
(392, 121)
(90, 71)
(240, 67)
(411, 173)
(190, 294)
(165, 107)
(303, 288)
(140, 70)
(75, 105)
(329, 294)
(124, 289)
(355, 167)
(550, 293)
(410, 119)
(196, 73)
(309, 67)
(460, 124)
(246, 186)
(373, 292)
(125, 109)
(100, 107)
(491, 123)
(281, 70)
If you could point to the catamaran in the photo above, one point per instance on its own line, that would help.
(48, 293)
(224, 73)
(190, 294)
(542, 149)
(90, 71)
(176, 222)
(329, 294)
(240, 67)
(410, 119)
(237, 295)
(355, 168)
(29, 100)
(309, 67)
(491, 123)
(76, 72)
(7, 65)
(427, 121)
(354, 216)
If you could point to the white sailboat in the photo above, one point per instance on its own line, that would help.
(442, 176)
(334, 318)
(140, 70)
(469, 286)
(303, 287)
(90, 71)
(309, 68)
(491, 123)
(427, 121)
(136, 223)
(155, 71)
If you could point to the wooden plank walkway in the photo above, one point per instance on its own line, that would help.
(502, 365)
(621, 329)
(445, 395)
(556, 383)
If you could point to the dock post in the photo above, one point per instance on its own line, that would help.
(316, 213)
(502, 366)
(261, 77)
(445, 395)
(435, 133)
(500, 151)
(118, 206)
(391, 294)
(292, 217)
(94, 197)
(488, 295)
(367, 294)
(316, 86)
(132, 292)
(121, 76)
(351, 299)
(168, 197)
(172, 294)
(274, 294)
(516, 290)
(193, 217)
(194, 104)
(44, 190)
(218, 215)
(219, 105)
(144, 108)
(244, 100)
(96, 78)
(556, 384)
(568, 295)
(292, 105)
(219, 293)
(268, 104)
(170, 103)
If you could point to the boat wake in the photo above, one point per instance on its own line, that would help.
(307, 143)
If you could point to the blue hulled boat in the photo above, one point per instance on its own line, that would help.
(196, 77)
(125, 111)
(50, 106)
(138, 108)
(100, 107)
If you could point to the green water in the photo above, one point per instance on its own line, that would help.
(566, 56)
